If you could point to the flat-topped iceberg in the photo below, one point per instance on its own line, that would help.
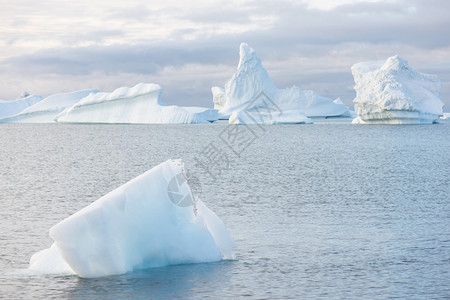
(251, 88)
(140, 104)
(13, 107)
(150, 221)
(391, 92)
(48, 108)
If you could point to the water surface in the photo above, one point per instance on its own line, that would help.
(329, 210)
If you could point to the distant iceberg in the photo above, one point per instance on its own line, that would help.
(218, 97)
(269, 118)
(391, 92)
(13, 107)
(150, 221)
(48, 108)
(251, 88)
(140, 104)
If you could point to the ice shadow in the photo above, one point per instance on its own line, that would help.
(180, 281)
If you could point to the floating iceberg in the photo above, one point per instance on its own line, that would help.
(47, 109)
(269, 118)
(140, 104)
(218, 97)
(251, 88)
(10, 108)
(150, 221)
(391, 92)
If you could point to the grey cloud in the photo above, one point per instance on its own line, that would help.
(347, 34)
(97, 36)
(218, 14)
(412, 22)
(373, 8)
(141, 59)
(139, 12)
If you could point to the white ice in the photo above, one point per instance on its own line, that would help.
(140, 104)
(218, 97)
(150, 221)
(392, 92)
(47, 109)
(10, 108)
(251, 88)
(271, 118)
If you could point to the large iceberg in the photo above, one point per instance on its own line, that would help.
(150, 221)
(251, 89)
(391, 92)
(140, 104)
(10, 108)
(47, 109)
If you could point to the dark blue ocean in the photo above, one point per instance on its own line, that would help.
(323, 211)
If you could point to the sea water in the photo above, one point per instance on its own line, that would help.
(329, 210)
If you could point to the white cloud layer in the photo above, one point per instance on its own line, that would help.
(187, 47)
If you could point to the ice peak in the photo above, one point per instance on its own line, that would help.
(395, 63)
(246, 53)
(251, 87)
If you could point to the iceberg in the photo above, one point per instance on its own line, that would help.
(48, 108)
(218, 97)
(392, 92)
(269, 118)
(251, 88)
(350, 113)
(151, 221)
(13, 107)
(140, 104)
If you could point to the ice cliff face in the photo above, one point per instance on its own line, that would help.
(218, 97)
(10, 108)
(150, 221)
(47, 109)
(391, 92)
(251, 82)
(140, 104)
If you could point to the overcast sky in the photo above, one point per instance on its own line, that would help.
(48, 47)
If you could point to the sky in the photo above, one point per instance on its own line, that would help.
(55, 46)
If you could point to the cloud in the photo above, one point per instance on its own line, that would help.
(114, 59)
(189, 48)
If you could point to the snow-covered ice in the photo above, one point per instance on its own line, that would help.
(392, 92)
(48, 108)
(140, 104)
(150, 221)
(218, 97)
(10, 108)
(251, 82)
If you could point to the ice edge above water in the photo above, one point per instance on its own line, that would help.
(137, 225)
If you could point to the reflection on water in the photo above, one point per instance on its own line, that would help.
(158, 283)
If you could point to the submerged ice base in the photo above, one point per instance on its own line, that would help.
(138, 225)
